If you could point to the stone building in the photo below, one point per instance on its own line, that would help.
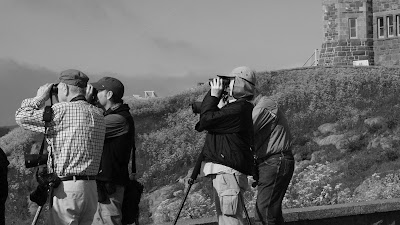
(363, 32)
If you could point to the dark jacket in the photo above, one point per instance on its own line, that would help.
(118, 145)
(3, 177)
(230, 133)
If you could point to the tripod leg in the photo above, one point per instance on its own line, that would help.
(242, 201)
(38, 211)
(183, 202)
(244, 207)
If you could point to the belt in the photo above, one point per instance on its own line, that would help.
(277, 155)
(78, 177)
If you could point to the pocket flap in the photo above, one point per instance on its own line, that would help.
(230, 192)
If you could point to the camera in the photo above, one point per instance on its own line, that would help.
(46, 181)
(33, 160)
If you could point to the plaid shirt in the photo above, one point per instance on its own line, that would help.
(76, 133)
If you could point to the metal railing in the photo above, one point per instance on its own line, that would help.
(313, 60)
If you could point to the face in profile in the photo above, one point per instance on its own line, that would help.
(102, 97)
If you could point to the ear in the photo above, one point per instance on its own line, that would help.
(63, 88)
(109, 94)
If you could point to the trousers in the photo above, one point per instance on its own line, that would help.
(227, 188)
(275, 174)
(109, 212)
(74, 203)
(3, 193)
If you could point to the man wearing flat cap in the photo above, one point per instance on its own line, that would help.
(75, 136)
(119, 147)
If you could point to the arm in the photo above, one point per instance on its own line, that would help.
(30, 114)
(116, 125)
(264, 114)
(213, 119)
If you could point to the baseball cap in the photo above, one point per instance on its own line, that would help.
(243, 72)
(110, 84)
(74, 77)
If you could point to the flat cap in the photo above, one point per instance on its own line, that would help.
(74, 77)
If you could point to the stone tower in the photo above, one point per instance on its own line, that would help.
(348, 32)
(386, 26)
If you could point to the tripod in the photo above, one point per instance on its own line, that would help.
(193, 177)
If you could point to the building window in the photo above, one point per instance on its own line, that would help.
(398, 25)
(390, 26)
(381, 28)
(353, 27)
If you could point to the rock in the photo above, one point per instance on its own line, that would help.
(177, 193)
(318, 156)
(160, 195)
(342, 144)
(328, 128)
(329, 140)
(383, 142)
(374, 143)
(376, 121)
(316, 133)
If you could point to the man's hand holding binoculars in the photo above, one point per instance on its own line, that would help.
(44, 91)
(217, 87)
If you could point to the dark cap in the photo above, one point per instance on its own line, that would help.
(110, 84)
(74, 77)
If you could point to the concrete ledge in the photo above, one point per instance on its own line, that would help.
(372, 212)
(341, 210)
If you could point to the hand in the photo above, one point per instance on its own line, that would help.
(89, 92)
(44, 91)
(216, 87)
(222, 103)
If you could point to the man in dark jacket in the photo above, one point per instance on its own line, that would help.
(3, 185)
(227, 156)
(119, 142)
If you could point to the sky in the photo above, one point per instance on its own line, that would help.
(162, 46)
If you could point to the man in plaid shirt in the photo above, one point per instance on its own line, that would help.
(76, 136)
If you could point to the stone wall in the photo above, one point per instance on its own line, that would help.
(387, 49)
(338, 48)
(382, 212)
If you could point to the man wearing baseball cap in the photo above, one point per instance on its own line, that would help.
(75, 136)
(119, 147)
(226, 155)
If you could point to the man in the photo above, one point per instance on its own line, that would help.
(227, 156)
(272, 145)
(119, 141)
(75, 136)
(3, 185)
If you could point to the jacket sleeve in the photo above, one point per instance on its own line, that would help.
(116, 125)
(216, 120)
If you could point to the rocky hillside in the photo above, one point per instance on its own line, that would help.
(345, 121)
